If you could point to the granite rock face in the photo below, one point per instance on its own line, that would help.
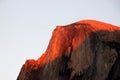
(85, 50)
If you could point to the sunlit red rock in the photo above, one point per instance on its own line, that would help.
(85, 50)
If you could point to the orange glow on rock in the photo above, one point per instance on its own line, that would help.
(65, 38)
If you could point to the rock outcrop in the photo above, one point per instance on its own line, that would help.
(85, 50)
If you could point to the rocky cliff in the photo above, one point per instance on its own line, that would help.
(85, 50)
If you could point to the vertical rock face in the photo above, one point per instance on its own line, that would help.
(85, 50)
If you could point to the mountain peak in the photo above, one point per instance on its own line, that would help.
(82, 50)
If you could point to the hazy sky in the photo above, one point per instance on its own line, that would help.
(26, 26)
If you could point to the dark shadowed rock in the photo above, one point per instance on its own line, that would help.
(85, 50)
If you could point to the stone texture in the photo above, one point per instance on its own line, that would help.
(85, 50)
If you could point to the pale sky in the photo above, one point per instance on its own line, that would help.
(26, 26)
